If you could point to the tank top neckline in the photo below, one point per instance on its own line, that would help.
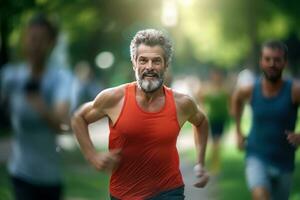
(279, 93)
(134, 86)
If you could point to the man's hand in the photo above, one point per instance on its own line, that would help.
(293, 138)
(106, 161)
(202, 176)
(241, 142)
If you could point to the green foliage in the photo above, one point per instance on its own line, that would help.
(224, 33)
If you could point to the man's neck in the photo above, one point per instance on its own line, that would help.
(36, 68)
(271, 88)
(150, 102)
(149, 97)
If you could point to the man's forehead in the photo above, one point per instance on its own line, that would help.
(272, 51)
(150, 51)
(37, 30)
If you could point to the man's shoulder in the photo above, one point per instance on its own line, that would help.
(296, 91)
(62, 74)
(111, 96)
(12, 68)
(296, 83)
(245, 91)
(13, 72)
(183, 100)
(116, 91)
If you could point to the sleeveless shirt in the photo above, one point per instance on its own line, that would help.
(149, 158)
(271, 117)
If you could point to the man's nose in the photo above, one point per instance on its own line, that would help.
(271, 63)
(149, 65)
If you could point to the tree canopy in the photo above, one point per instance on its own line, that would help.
(207, 32)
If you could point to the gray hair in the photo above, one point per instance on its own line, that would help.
(151, 37)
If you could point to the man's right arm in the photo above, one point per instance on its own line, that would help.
(294, 137)
(82, 117)
(89, 113)
(240, 96)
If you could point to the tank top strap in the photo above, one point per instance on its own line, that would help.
(130, 88)
(288, 85)
(170, 101)
(130, 94)
(287, 90)
(256, 91)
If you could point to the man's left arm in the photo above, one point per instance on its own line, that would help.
(201, 127)
(293, 137)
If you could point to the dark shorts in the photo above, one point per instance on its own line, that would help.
(217, 128)
(173, 194)
(27, 191)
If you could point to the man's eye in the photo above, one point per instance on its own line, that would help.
(142, 61)
(158, 61)
(267, 59)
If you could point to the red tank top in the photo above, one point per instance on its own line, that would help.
(149, 159)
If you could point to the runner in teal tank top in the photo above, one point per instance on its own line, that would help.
(271, 144)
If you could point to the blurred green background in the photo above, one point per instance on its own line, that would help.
(224, 33)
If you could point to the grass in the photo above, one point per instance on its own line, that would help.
(81, 180)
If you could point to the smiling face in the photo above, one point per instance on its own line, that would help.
(149, 66)
(272, 63)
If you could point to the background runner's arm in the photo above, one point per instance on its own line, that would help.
(237, 107)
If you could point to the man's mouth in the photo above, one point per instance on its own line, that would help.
(150, 75)
(273, 71)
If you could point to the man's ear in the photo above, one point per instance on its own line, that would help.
(166, 63)
(167, 66)
(133, 65)
(133, 61)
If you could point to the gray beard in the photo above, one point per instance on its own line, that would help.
(149, 86)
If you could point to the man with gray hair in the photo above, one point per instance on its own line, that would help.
(145, 118)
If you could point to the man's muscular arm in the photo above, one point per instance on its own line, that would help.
(200, 126)
(89, 113)
(188, 111)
